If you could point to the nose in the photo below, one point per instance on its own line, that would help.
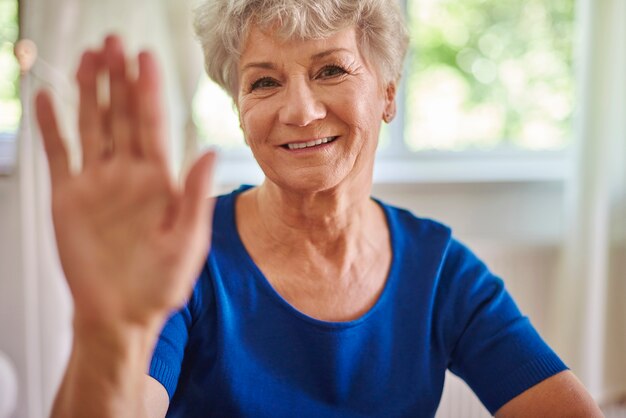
(301, 106)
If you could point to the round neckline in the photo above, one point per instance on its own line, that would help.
(277, 298)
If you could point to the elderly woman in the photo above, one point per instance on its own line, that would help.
(315, 299)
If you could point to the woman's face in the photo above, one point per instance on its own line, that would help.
(311, 110)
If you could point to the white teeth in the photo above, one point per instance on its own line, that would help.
(313, 143)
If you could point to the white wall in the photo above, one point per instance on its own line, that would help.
(12, 296)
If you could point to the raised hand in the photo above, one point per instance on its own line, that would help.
(131, 242)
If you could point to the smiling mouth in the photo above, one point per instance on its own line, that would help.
(310, 144)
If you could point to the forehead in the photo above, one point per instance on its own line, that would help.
(268, 46)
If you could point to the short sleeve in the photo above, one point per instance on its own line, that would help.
(169, 351)
(493, 347)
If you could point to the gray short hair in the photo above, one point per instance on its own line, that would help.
(222, 26)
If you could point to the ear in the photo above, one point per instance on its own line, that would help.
(389, 111)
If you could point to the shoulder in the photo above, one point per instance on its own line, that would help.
(428, 239)
(406, 223)
(224, 223)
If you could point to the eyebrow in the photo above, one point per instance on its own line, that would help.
(266, 65)
(324, 54)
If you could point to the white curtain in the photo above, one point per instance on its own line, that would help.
(589, 328)
(62, 29)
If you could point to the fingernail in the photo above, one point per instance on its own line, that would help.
(110, 39)
(86, 61)
(40, 97)
(145, 59)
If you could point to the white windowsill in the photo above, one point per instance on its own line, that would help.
(426, 167)
(472, 167)
(430, 167)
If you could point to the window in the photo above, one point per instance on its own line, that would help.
(10, 107)
(481, 75)
(216, 118)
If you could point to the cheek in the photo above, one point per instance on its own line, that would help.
(362, 110)
(256, 122)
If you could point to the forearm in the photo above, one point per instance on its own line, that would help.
(561, 395)
(106, 373)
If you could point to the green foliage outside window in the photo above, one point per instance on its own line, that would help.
(490, 73)
(10, 108)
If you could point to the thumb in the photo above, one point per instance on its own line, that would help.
(196, 205)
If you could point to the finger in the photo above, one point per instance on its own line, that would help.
(105, 120)
(120, 105)
(195, 207)
(92, 137)
(151, 126)
(53, 144)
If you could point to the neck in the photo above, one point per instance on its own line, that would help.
(326, 253)
(318, 218)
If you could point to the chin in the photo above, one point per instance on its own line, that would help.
(313, 181)
(306, 185)
(308, 181)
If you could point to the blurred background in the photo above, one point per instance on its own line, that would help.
(511, 129)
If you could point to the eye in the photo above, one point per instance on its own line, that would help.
(330, 71)
(263, 83)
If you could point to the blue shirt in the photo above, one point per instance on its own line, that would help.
(238, 349)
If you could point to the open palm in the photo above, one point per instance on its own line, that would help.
(131, 242)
